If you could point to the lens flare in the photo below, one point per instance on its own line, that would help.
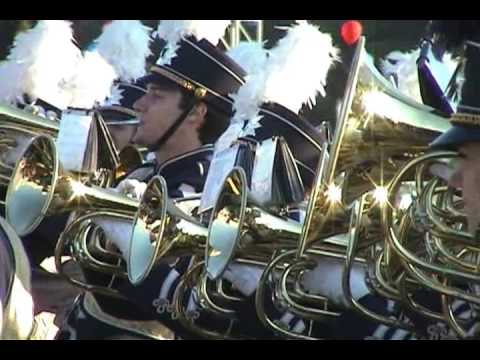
(334, 193)
(381, 194)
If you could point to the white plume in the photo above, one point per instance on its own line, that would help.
(172, 31)
(115, 96)
(247, 100)
(40, 59)
(297, 67)
(404, 67)
(12, 75)
(249, 97)
(125, 44)
(291, 74)
(250, 55)
(92, 82)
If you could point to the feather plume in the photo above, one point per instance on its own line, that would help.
(253, 58)
(292, 74)
(12, 74)
(125, 44)
(115, 96)
(92, 82)
(404, 67)
(39, 61)
(172, 31)
(298, 66)
(250, 55)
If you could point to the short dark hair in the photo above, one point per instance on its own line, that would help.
(216, 120)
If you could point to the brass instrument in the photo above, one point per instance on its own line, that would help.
(241, 231)
(232, 219)
(40, 187)
(161, 231)
(134, 261)
(378, 131)
(366, 141)
(29, 169)
(192, 280)
(445, 255)
(17, 127)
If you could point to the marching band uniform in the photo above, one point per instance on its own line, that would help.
(196, 62)
(450, 37)
(143, 315)
(191, 170)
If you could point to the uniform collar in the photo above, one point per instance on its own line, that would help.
(186, 161)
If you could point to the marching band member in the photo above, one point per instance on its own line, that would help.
(277, 120)
(32, 81)
(265, 107)
(186, 107)
(450, 37)
(76, 81)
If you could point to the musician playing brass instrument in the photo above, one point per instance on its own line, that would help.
(185, 108)
(455, 37)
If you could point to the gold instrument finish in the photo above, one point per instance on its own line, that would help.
(130, 158)
(39, 188)
(377, 132)
(23, 120)
(161, 232)
(442, 250)
(240, 229)
(17, 127)
(225, 227)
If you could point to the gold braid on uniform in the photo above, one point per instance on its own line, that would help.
(465, 119)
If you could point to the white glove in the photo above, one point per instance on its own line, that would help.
(443, 171)
(150, 156)
(132, 188)
(118, 232)
(326, 280)
(244, 278)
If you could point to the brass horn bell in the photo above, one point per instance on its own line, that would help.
(40, 187)
(17, 127)
(161, 231)
(377, 132)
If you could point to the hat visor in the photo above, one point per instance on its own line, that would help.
(455, 137)
(149, 78)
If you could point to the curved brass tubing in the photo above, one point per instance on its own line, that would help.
(188, 320)
(260, 298)
(351, 250)
(64, 241)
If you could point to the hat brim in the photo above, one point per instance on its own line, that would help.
(456, 136)
(150, 78)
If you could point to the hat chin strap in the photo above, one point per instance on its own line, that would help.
(168, 134)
